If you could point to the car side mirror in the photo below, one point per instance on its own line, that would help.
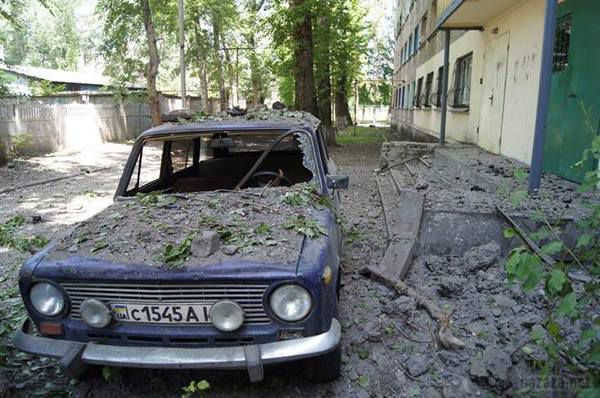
(338, 182)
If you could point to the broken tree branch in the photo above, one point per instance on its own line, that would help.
(523, 235)
(443, 332)
(394, 165)
(42, 182)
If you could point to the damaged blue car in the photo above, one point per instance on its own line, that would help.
(221, 251)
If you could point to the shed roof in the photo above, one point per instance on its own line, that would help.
(59, 76)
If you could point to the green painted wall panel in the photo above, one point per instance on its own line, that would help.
(574, 118)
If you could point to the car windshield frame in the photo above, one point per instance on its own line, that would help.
(306, 139)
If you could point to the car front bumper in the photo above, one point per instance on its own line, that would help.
(74, 355)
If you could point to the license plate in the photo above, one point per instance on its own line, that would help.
(161, 313)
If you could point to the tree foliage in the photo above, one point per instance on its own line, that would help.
(42, 34)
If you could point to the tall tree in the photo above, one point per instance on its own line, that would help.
(350, 45)
(253, 8)
(132, 29)
(198, 48)
(323, 42)
(216, 28)
(46, 36)
(153, 63)
(305, 92)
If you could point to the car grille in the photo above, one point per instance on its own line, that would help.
(249, 297)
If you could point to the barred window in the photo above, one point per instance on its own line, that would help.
(562, 43)
(462, 81)
(428, 87)
(419, 101)
(439, 88)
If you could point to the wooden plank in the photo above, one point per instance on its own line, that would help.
(391, 205)
(398, 258)
(403, 211)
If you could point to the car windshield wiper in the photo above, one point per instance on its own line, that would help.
(263, 156)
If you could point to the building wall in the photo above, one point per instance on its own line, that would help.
(524, 23)
(524, 26)
(461, 125)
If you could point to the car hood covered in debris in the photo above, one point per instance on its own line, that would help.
(219, 233)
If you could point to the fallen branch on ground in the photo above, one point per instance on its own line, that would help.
(42, 182)
(443, 334)
(394, 165)
(523, 235)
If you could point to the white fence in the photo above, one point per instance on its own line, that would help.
(372, 114)
(50, 127)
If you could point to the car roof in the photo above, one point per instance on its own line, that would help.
(251, 122)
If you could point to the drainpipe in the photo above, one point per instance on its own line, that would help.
(444, 95)
(539, 138)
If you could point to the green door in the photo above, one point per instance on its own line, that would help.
(574, 118)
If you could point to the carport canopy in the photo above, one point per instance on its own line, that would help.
(472, 14)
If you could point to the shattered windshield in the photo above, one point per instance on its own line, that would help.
(199, 162)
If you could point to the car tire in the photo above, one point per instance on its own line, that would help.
(324, 368)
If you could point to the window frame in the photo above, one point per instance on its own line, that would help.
(419, 92)
(462, 81)
(428, 89)
(439, 88)
(562, 43)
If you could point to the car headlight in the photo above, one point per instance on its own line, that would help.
(291, 302)
(47, 299)
(227, 316)
(95, 313)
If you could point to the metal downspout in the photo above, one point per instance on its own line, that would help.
(444, 95)
(539, 138)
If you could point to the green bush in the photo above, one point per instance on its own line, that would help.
(573, 305)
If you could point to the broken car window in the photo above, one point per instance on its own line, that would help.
(214, 161)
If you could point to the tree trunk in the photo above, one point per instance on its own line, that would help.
(219, 59)
(254, 73)
(255, 76)
(204, 103)
(230, 94)
(305, 92)
(324, 93)
(343, 118)
(201, 63)
(154, 61)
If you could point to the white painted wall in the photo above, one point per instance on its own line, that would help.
(525, 24)
(461, 126)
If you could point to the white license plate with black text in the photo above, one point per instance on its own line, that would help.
(161, 313)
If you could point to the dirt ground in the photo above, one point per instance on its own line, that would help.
(387, 345)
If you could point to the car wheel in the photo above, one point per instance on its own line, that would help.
(325, 367)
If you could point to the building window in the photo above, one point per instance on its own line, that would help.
(439, 89)
(402, 55)
(411, 96)
(400, 98)
(424, 27)
(562, 42)
(419, 93)
(410, 45)
(462, 81)
(428, 87)
(416, 43)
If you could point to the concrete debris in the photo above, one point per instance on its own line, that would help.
(206, 244)
(418, 365)
(482, 257)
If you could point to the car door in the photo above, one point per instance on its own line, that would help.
(330, 168)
